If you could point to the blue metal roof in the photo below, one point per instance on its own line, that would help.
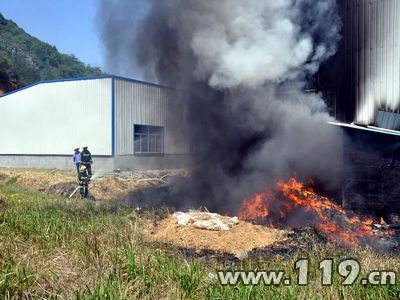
(85, 78)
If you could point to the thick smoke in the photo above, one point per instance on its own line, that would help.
(117, 23)
(248, 43)
(246, 64)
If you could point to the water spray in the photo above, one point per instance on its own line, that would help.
(94, 177)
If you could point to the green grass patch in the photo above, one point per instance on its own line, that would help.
(12, 180)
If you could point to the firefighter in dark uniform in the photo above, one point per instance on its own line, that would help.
(86, 160)
(84, 179)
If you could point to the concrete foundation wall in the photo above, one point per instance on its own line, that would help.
(103, 163)
(51, 162)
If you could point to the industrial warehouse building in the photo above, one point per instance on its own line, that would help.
(364, 78)
(126, 123)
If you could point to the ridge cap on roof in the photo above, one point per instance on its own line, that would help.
(105, 76)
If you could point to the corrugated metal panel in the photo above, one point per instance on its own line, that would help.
(373, 39)
(137, 103)
(387, 120)
(54, 118)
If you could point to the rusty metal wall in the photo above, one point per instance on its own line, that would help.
(372, 37)
(147, 104)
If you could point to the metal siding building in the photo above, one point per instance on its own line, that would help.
(372, 41)
(41, 124)
(366, 75)
(52, 117)
(136, 103)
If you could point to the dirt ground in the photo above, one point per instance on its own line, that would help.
(107, 187)
(241, 239)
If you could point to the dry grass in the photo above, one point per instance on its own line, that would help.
(62, 183)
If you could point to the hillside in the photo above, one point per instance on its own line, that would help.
(25, 59)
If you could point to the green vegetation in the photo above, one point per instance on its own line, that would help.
(52, 247)
(12, 180)
(25, 59)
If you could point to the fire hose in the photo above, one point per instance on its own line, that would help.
(74, 192)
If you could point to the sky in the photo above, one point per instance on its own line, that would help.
(68, 25)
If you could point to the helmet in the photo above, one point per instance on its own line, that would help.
(77, 149)
(82, 168)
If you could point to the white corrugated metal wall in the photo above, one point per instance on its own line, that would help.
(373, 37)
(145, 104)
(55, 117)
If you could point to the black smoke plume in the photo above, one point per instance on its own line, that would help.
(246, 65)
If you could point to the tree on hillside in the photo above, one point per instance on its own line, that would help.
(25, 59)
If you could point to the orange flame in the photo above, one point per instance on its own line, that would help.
(255, 208)
(328, 217)
(368, 222)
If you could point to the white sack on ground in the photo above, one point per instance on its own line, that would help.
(205, 220)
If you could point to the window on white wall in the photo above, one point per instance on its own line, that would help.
(149, 139)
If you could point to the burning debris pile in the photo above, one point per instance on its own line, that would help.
(293, 204)
(273, 219)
